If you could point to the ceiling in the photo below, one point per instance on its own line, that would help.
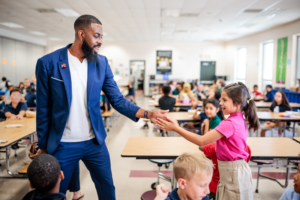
(142, 20)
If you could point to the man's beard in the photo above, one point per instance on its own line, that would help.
(89, 51)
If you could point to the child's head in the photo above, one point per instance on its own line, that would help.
(194, 101)
(187, 87)
(236, 98)
(200, 88)
(213, 108)
(280, 99)
(297, 181)
(44, 173)
(193, 172)
(15, 95)
(26, 82)
(211, 93)
(21, 84)
(269, 88)
(179, 86)
(160, 90)
(217, 95)
(220, 83)
(166, 90)
(255, 88)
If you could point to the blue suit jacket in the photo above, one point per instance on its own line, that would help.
(54, 96)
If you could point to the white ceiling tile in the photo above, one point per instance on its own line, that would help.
(13, 4)
(135, 3)
(55, 3)
(99, 4)
(152, 3)
(171, 3)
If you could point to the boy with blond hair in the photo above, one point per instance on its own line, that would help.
(193, 172)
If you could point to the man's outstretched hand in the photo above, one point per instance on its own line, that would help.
(153, 116)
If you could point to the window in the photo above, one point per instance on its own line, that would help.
(267, 64)
(241, 64)
(298, 58)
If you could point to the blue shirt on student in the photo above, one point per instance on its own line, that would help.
(270, 97)
(290, 194)
(174, 196)
(203, 117)
(9, 108)
(189, 108)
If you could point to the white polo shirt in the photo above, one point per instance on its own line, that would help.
(78, 127)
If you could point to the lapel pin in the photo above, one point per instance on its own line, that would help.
(63, 66)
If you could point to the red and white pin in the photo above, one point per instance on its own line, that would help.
(63, 66)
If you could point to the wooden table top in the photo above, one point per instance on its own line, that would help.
(182, 116)
(14, 134)
(297, 139)
(262, 104)
(172, 147)
(108, 113)
(268, 116)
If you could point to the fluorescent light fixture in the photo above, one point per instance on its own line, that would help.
(37, 33)
(167, 25)
(170, 12)
(11, 25)
(54, 39)
(68, 12)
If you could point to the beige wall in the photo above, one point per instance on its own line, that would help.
(253, 44)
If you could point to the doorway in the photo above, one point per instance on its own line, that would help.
(137, 72)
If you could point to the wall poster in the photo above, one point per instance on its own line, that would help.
(281, 60)
(163, 62)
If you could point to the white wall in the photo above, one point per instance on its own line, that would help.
(186, 56)
(252, 43)
(25, 55)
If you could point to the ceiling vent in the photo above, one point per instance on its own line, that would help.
(253, 10)
(43, 10)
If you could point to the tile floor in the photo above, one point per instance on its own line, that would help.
(127, 188)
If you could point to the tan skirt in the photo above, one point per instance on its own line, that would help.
(235, 181)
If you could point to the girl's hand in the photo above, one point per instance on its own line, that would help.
(167, 125)
(198, 109)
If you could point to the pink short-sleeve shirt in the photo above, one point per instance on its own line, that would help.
(233, 145)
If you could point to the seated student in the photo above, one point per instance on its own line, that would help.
(104, 103)
(293, 193)
(255, 92)
(214, 113)
(159, 95)
(178, 89)
(193, 173)
(166, 102)
(282, 103)
(2, 104)
(201, 93)
(186, 92)
(210, 151)
(16, 109)
(195, 106)
(195, 87)
(268, 96)
(44, 176)
(31, 98)
(220, 84)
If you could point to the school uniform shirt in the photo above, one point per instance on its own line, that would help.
(270, 97)
(105, 100)
(290, 194)
(256, 93)
(203, 117)
(167, 103)
(35, 195)
(281, 108)
(9, 108)
(190, 108)
(232, 146)
(176, 92)
(2, 116)
(210, 152)
(30, 98)
(174, 196)
(214, 122)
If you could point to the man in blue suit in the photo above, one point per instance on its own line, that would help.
(69, 121)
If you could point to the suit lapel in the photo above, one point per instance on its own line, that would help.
(64, 69)
(90, 78)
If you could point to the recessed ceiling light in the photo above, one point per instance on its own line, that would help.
(54, 39)
(68, 12)
(170, 12)
(37, 33)
(167, 25)
(11, 25)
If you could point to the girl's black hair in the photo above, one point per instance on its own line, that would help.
(239, 94)
(284, 101)
(216, 104)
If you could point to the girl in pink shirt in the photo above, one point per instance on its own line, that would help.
(230, 136)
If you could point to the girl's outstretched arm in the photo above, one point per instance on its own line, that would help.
(199, 140)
